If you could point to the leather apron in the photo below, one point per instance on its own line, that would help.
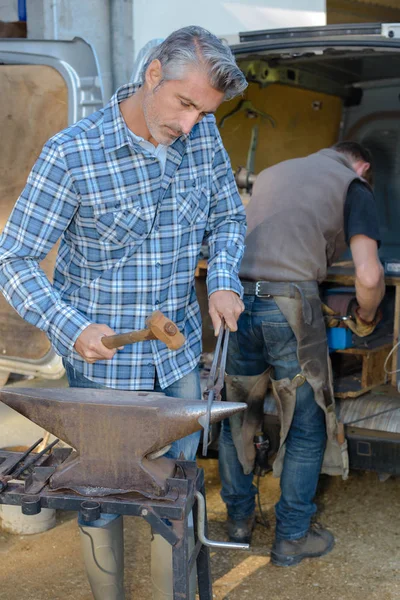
(304, 314)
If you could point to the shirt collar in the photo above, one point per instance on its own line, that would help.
(114, 126)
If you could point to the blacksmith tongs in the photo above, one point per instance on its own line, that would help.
(215, 381)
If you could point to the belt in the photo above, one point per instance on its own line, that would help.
(268, 289)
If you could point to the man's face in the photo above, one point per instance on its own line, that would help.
(173, 107)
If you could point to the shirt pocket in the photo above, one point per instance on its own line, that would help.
(120, 222)
(192, 202)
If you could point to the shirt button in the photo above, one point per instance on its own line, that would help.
(158, 265)
(157, 302)
(117, 205)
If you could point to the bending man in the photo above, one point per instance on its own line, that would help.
(132, 191)
(302, 215)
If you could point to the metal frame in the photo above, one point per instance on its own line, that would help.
(168, 517)
(321, 31)
(75, 60)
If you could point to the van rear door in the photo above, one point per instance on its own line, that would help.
(45, 86)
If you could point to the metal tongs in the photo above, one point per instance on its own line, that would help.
(215, 381)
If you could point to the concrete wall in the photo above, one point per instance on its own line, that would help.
(89, 19)
(8, 10)
(157, 18)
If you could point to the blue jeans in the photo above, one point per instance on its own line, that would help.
(188, 388)
(265, 338)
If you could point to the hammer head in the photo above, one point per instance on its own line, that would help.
(165, 330)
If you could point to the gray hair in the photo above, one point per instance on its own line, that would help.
(197, 47)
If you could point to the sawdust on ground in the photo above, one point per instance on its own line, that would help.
(362, 512)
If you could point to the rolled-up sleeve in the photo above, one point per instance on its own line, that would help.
(40, 216)
(226, 227)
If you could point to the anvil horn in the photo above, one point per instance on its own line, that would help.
(113, 432)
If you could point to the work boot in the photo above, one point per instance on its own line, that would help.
(103, 555)
(241, 530)
(317, 542)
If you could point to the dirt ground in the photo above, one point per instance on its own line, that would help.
(362, 512)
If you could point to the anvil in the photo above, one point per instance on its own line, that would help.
(118, 436)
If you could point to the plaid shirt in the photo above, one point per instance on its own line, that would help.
(130, 241)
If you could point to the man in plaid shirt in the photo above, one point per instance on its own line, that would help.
(132, 191)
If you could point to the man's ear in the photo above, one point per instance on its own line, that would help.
(153, 74)
(361, 168)
(365, 168)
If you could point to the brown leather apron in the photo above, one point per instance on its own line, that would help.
(300, 304)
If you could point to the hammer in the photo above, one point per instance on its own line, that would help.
(158, 327)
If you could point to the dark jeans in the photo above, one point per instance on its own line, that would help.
(265, 338)
(188, 388)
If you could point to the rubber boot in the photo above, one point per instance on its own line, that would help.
(161, 566)
(103, 554)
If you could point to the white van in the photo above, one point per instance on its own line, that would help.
(308, 88)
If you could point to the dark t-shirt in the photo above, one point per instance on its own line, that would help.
(360, 212)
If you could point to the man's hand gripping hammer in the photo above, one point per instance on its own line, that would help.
(158, 327)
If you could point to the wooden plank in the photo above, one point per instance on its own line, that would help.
(395, 336)
(372, 373)
(352, 392)
(34, 106)
(366, 351)
(201, 270)
(370, 376)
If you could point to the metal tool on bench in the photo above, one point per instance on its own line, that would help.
(215, 381)
(158, 327)
(17, 467)
(339, 318)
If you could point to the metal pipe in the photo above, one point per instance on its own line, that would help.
(21, 458)
(4, 481)
(201, 519)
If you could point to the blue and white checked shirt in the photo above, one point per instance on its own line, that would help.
(130, 241)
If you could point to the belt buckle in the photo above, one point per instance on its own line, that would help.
(258, 294)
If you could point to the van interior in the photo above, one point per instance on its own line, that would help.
(301, 99)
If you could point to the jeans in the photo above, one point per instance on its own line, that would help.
(188, 388)
(264, 338)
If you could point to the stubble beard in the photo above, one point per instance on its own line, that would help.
(153, 124)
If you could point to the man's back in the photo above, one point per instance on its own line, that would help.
(295, 218)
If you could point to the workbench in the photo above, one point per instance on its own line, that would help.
(342, 273)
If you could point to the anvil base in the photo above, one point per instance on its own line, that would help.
(33, 495)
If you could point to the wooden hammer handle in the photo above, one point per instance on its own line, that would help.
(121, 339)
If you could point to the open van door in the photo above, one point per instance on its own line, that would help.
(45, 86)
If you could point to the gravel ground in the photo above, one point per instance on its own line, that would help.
(364, 565)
